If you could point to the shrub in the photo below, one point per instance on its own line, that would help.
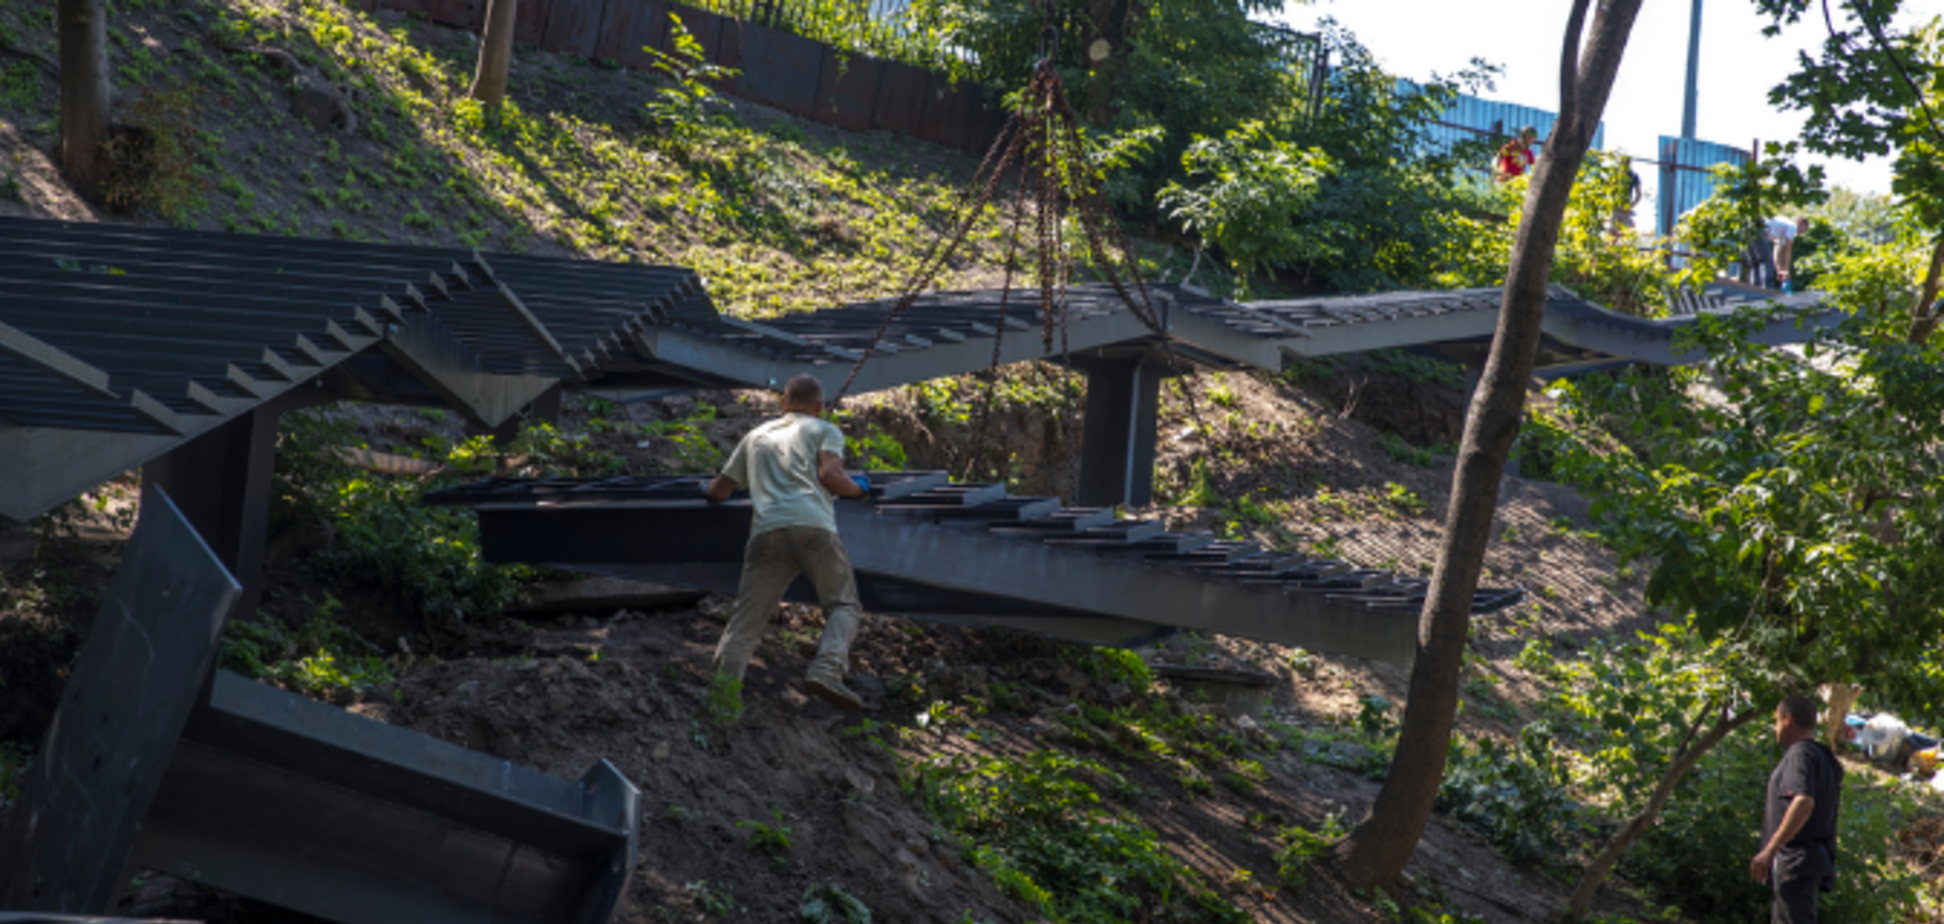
(154, 156)
(1516, 796)
(1038, 827)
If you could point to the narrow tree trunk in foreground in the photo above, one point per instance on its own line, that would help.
(1616, 847)
(1842, 696)
(83, 31)
(1382, 844)
(1925, 315)
(495, 52)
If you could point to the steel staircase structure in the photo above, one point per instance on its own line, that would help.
(926, 548)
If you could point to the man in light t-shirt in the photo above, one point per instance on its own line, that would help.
(1782, 233)
(792, 466)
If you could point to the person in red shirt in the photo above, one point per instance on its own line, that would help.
(1516, 156)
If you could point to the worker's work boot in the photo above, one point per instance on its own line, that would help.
(827, 683)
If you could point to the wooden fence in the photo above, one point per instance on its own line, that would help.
(780, 69)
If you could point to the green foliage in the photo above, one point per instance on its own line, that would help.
(872, 450)
(427, 558)
(1116, 665)
(1791, 514)
(830, 904)
(1298, 849)
(688, 107)
(1629, 707)
(1864, 217)
(770, 839)
(20, 86)
(1744, 198)
(1590, 258)
(713, 898)
(1374, 715)
(1180, 70)
(1037, 826)
(1417, 368)
(689, 436)
(723, 707)
(322, 659)
(1398, 450)
(1250, 190)
(1516, 796)
(1870, 90)
(155, 161)
(15, 758)
(1402, 499)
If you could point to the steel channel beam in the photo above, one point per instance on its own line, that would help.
(904, 367)
(170, 253)
(128, 698)
(309, 807)
(1589, 327)
(965, 560)
(47, 465)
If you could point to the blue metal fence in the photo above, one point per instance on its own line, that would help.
(1470, 117)
(1684, 179)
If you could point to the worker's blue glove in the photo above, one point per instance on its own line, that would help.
(862, 482)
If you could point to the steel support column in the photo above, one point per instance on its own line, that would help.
(221, 481)
(1117, 452)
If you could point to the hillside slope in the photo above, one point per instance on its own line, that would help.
(904, 808)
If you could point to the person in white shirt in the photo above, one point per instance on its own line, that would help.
(793, 467)
(1782, 233)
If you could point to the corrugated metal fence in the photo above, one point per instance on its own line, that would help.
(1470, 117)
(1684, 179)
(792, 73)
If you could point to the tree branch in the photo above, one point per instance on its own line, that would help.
(1569, 69)
(1883, 45)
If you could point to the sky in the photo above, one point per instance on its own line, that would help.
(1416, 38)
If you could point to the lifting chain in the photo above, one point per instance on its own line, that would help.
(1041, 142)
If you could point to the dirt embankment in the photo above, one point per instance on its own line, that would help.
(629, 687)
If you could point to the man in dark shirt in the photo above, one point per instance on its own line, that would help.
(1799, 817)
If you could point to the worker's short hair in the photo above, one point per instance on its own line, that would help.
(802, 390)
(1529, 130)
(1800, 710)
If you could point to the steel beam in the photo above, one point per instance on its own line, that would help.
(309, 807)
(425, 348)
(965, 559)
(222, 481)
(1117, 455)
(130, 693)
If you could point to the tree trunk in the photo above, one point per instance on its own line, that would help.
(495, 52)
(1616, 847)
(1382, 844)
(1924, 316)
(1842, 696)
(83, 31)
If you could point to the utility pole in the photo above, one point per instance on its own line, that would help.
(1693, 73)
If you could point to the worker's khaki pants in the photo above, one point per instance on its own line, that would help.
(770, 562)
